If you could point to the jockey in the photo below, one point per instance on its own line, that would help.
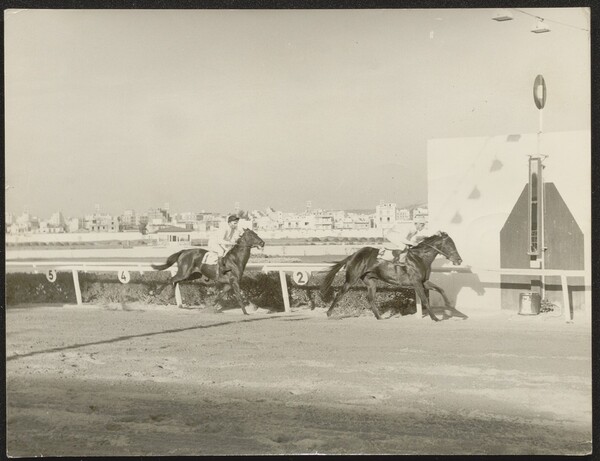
(404, 240)
(222, 242)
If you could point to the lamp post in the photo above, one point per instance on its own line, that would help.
(536, 188)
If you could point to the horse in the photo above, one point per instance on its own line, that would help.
(191, 267)
(364, 265)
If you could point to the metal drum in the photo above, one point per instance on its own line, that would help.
(529, 303)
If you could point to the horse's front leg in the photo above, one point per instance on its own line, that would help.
(432, 286)
(422, 294)
(222, 293)
(238, 294)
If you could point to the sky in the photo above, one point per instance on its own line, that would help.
(132, 109)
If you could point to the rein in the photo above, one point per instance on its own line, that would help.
(436, 249)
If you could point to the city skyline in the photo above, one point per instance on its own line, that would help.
(97, 209)
(129, 108)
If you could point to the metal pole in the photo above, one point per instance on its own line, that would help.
(542, 198)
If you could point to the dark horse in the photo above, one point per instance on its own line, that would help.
(190, 266)
(365, 265)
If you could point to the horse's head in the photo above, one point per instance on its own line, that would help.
(250, 239)
(444, 244)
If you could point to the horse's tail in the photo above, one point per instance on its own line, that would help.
(170, 261)
(325, 287)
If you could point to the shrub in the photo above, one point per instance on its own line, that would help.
(263, 290)
(35, 288)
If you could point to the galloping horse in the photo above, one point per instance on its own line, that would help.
(364, 265)
(190, 266)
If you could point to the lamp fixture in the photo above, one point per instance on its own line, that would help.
(540, 27)
(502, 15)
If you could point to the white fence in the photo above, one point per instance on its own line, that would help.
(300, 273)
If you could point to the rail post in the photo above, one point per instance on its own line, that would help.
(77, 287)
(419, 306)
(566, 303)
(178, 299)
(284, 291)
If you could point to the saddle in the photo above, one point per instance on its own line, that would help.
(391, 255)
(210, 258)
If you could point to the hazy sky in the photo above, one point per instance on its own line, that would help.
(203, 108)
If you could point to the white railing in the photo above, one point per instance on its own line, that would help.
(300, 273)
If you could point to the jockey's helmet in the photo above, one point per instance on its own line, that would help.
(233, 218)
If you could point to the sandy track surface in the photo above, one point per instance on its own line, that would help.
(153, 380)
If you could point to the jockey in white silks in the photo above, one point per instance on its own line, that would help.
(222, 241)
(403, 240)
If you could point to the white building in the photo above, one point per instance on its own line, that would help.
(74, 224)
(57, 219)
(101, 223)
(385, 215)
(420, 212)
(129, 219)
(403, 214)
(47, 227)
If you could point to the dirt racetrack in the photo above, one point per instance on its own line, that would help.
(157, 380)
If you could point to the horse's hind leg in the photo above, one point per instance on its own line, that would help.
(345, 287)
(371, 290)
(351, 279)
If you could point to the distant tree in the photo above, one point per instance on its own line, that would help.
(143, 227)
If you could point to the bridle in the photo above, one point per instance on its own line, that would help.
(256, 245)
(436, 249)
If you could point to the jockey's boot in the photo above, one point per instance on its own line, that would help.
(220, 267)
(397, 261)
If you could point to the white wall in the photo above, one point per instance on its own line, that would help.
(473, 184)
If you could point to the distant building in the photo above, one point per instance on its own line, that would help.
(46, 227)
(299, 221)
(174, 234)
(265, 223)
(324, 222)
(385, 215)
(360, 221)
(158, 216)
(75, 225)
(24, 223)
(403, 214)
(57, 220)
(129, 220)
(420, 212)
(101, 223)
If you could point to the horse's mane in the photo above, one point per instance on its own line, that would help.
(244, 232)
(239, 239)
